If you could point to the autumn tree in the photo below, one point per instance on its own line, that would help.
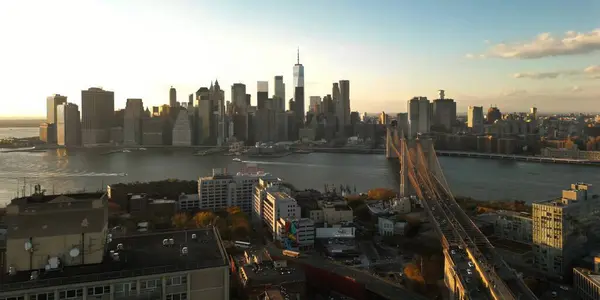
(413, 273)
(203, 218)
(381, 194)
(239, 224)
(232, 210)
(180, 220)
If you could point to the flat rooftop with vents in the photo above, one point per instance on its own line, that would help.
(131, 256)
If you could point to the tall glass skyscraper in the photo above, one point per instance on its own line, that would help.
(299, 109)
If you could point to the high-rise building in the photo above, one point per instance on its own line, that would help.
(238, 97)
(344, 100)
(475, 119)
(279, 95)
(182, 129)
(444, 112)
(314, 104)
(419, 116)
(262, 94)
(338, 109)
(173, 97)
(68, 125)
(190, 101)
(299, 109)
(222, 190)
(51, 103)
(97, 113)
(558, 229)
(132, 123)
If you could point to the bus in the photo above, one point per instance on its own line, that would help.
(291, 253)
(242, 244)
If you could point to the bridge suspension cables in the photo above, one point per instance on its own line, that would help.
(453, 224)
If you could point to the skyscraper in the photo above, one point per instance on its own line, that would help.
(345, 101)
(173, 97)
(475, 118)
(419, 116)
(238, 97)
(191, 101)
(51, 103)
(97, 113)
(132, 123)
(315, 104)
(262, 94)
(299, 110)
(68, 126)
(444, 112)
(279, 96)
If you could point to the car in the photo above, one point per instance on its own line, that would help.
(470, 264)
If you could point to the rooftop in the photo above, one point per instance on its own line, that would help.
(41, 199)
(140, 255)
(266, 273)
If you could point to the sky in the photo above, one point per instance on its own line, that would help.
(513, 54)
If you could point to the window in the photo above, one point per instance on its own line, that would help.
(150, 284)
(42, 296)
(125, 287)
(70, 294)
(179, 296)
(98, 290)
(14, 298)
(177, 280)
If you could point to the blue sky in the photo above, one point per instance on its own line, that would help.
(389, 50)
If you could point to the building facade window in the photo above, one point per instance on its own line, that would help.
(70, 294)
(150, 284)
(178, 296)
(177, 280)
(42, 296)
(98, 290)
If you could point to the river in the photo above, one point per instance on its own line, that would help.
(71, 170)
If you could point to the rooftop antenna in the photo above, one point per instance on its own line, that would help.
(298, 55)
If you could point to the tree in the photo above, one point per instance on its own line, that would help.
(232, 210)
(239, 225)
(203, 218)
(381, 194)
(180, 220)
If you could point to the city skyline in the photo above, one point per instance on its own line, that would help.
(146, 49)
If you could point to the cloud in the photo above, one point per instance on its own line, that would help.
(576, 89)
(545, 45)
(592, 72)
(513, 93)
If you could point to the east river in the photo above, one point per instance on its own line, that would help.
(73, 170)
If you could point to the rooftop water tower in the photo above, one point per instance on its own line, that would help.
(441, 93)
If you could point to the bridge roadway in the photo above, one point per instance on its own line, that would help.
(380, 286)
(500, 273)
(516, 157)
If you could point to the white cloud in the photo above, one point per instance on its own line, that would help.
(545, 45)
(592, 72)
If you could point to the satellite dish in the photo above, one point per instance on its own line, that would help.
(28, 246)
(74, 252)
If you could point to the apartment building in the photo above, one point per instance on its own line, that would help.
(514, 226)
(279, 205)
(222, 190)
(557, 238)
(265, 184)
(58, 247)
(328, 212)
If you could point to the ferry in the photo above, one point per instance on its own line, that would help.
(237, 159)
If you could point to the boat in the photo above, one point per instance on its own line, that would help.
(142, 149)
(126, 151)
(237, 159)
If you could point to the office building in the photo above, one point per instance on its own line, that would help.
(58, 247)
(222, 190)
(279, 95)
(51, 114)
(475, 119)
(97, 116)
(337, 107)
(587, 282)
(419, 116)
(343, 108)
(299, 110)
(190, 101)
(68, 124)
(264, 185)
(444, 113)
(557, 224)
(48, 133)
(314, 105)
(262, 95)
(402, 123)
(238, 97)
(173, 97)
(182, 129)
(152, 131)
(132, 123)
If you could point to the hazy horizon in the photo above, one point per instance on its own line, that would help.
(480, 53)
